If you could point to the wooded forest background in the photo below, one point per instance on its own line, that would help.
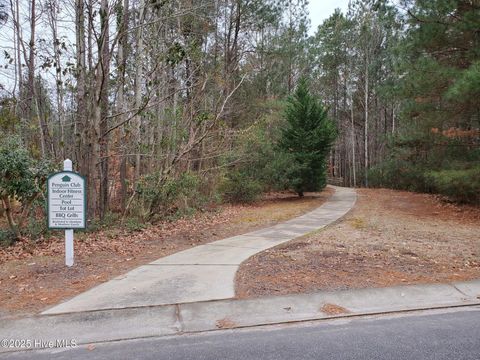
(161, 100)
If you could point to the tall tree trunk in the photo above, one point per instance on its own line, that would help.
(102, 85)
(353, 146)
(366, 119)
(121, 106)
(84, 126)
(31, 80)
(52, 17)
(81, 113)
(16, 48)
(138, 87)
(31, 66)
(393, 119)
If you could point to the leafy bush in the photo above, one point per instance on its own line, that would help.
(7, 237)
(460, 185)
(133, 224)
(237, 187)
(21, 179)
(281, 171)
(110, 219)
(163, 197)
(430, 163)
(399, 175)
(35, 228)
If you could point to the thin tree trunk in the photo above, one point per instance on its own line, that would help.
(138, 87)
(31, 60)
(31, 80)
(18, 42)
(58, 74)
(353, 146)
(104, 66)
(85, 117)
(366, 120)
(9, 213)
(121, 58)
(16, 64)
(81, 113)
(393, 119)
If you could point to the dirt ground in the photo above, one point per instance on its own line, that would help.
(34, 277)
(389, 238)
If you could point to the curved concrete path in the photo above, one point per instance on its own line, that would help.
(205, 272)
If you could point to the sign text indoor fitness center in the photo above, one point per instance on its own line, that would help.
(66, 201)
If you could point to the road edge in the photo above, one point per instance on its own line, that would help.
(206, 316)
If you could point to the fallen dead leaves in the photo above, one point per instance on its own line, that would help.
(389, 238)
(123, 242)
(225, 323)
(332, 309)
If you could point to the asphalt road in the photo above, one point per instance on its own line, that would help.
(451, 334)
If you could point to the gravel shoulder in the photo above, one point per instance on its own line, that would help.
(389, 238)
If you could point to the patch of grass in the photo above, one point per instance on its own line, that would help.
(313, 232)
(358, 223)
(278, 211)
(246, 219)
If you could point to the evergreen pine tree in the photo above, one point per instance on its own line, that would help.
(307, 136)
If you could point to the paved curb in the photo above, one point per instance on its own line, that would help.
(205, 272)
(154, 321)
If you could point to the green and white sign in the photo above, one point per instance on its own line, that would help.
(66, 201)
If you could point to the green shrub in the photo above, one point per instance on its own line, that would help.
(109, 220)
(237, 187)
(280, 172)
(399, 175)
(435, 165)
(161, 197)
(7, 237)
(428, 162)
(181, 213)
(35, 228)
(459, 185)
(21, 180)
(133, 224)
